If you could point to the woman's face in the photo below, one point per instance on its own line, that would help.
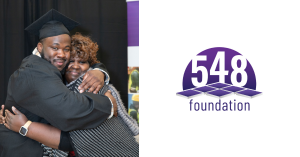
(76, 68)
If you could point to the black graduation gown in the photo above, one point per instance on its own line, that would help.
(37, 90)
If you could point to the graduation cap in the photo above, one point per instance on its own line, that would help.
(52, 23)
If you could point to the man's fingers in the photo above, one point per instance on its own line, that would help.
(97, 89)
(89, 84)
(94, 86)
(83, 81)
(86, 75)
(16, 111)
(91, 80)
(6, 125)
(86, 84)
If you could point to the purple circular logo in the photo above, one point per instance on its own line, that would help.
(219, 64)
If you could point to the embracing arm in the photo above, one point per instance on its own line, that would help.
(46, 96)
(102, 68)
(94, 79)
(43, 133)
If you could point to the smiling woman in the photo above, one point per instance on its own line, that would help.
(83, 55)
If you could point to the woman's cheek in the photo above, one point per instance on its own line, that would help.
(70, 64)
(85, 68)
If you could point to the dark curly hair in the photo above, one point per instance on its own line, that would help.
(83, 47)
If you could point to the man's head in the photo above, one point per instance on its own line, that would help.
(53, 31)
(56, 50)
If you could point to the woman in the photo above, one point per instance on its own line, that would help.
(114, 137)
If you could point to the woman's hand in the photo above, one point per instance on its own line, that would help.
(14, 122)
(1, 115)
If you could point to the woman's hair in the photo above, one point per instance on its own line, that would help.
(83, 47)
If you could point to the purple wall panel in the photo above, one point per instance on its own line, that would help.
(133, 23)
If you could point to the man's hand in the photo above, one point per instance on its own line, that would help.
(2, 121)
(14, 122)
(113, 100)
(92, 80)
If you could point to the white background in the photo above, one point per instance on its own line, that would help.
(267, 33)
(133, 56)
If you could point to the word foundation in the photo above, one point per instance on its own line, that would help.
(219, 106)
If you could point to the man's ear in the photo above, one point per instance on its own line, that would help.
(40, 47)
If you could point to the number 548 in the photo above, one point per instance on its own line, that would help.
(220, 58)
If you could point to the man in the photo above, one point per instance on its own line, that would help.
(58, 106)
